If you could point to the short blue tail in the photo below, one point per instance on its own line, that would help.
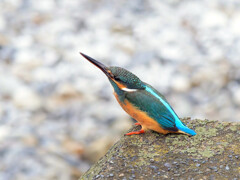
(187, 130)
(184, 128)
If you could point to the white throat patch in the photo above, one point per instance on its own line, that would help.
(129, 90)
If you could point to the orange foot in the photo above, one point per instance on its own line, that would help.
(136, 132)
(137, 124)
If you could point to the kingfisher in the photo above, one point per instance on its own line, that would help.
(142, 102)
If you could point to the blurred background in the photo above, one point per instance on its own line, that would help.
(57, 111)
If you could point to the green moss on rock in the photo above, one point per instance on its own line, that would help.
(213, 153)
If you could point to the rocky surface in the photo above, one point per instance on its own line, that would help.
(57, 111)
(212, 154)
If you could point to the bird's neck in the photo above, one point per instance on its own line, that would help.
(117, 90)
(121, 91)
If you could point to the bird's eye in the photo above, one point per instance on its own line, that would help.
(117, 78)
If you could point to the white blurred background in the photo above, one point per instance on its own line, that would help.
(57, 111)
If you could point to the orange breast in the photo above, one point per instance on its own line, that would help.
(140, 116)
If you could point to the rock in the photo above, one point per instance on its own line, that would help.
(44, 6)
(1, 111)
(9, 85)
(2, 23)
(27, 99)
(30, 140)
(73, 146)
(180, 83)
(235, 24)
(126, 44)
(64, 94)
(27, 59)
(236, 96)
(44, 74)
(214, 19)
(5, 131)
(158, 156)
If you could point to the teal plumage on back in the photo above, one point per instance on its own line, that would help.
(178, 123)
(148, 103)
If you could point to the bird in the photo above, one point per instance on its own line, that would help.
(142, 102)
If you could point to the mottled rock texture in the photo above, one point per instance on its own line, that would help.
(214, 153)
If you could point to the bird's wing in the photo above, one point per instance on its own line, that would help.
(150, 104)
(165, 100)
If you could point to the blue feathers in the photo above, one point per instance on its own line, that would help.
(187, 130)
(162, 101)
(178, 122)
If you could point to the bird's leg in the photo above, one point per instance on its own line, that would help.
(136, 132)
(137, 124)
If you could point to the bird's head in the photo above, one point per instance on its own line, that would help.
(118, 76)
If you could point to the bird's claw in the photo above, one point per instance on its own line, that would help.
(137, 124)
(135, 132)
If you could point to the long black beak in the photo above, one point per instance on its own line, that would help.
(99, 65)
